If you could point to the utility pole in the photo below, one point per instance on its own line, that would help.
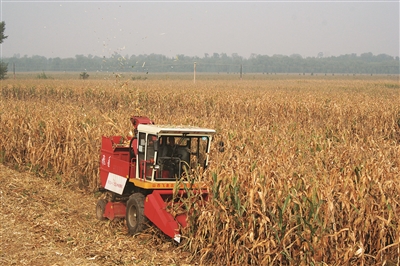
(194, 74)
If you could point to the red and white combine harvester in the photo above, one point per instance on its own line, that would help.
(139, 173)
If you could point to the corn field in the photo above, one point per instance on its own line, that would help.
(309, 175)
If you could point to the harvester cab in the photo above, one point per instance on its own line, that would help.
(139, 174)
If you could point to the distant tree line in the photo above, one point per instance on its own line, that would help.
(366, 63)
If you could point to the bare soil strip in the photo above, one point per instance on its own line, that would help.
(43, 223)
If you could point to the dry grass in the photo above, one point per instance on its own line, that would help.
(309, 174)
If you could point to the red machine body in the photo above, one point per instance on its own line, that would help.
(139, 173)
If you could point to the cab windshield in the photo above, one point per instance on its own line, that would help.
(179, 156)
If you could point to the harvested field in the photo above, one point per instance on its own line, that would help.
(43, 223)
(309, 174)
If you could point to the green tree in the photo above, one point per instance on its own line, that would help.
(3, 66)
(2, 28)
(84, 75)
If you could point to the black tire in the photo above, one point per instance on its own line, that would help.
(135, 219)
(100, 208)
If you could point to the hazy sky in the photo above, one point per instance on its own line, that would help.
(193, 28)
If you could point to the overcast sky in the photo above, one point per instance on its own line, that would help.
(193, 28)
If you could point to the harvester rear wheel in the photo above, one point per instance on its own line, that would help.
(135, 219)
(100, 208)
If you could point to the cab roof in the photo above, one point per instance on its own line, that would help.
(175, 130)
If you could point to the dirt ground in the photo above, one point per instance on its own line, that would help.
(43, 223)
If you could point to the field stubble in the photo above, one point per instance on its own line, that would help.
(309, 173)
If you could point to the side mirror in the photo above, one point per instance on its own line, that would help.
(221, 146)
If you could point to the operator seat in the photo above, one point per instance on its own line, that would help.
(184, 154)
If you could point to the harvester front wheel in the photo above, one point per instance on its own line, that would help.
(135, 219)
(100, 208)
